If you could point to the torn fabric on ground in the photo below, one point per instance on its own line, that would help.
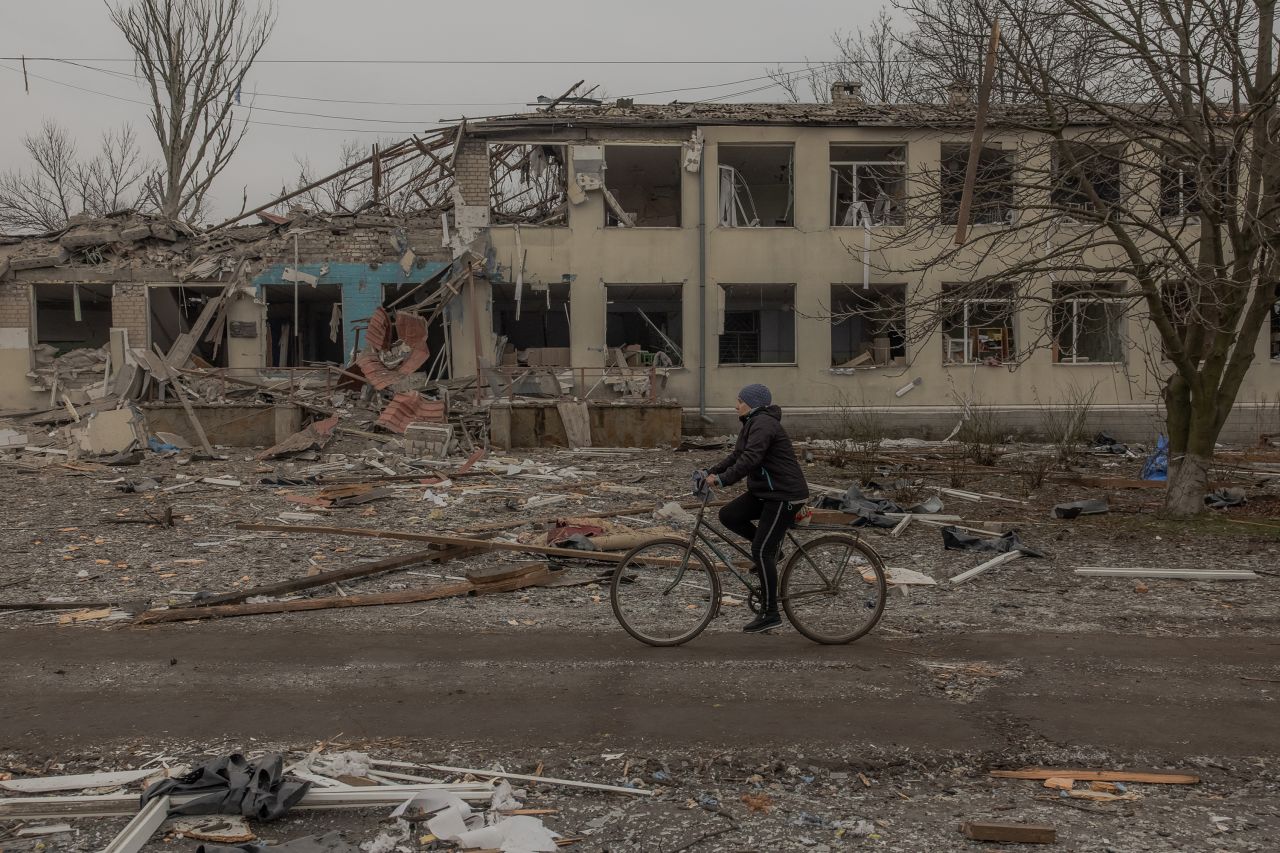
(954, 539)
(234, 785)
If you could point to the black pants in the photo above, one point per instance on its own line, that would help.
(775, 518)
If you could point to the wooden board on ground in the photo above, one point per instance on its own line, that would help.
(408, 596)
(999, 830)
(1175, 574)
(1084, 774)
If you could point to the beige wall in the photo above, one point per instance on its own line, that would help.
(811, 255)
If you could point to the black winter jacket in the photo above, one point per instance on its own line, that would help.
(764, 455)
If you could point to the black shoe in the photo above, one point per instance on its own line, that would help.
(762, 623)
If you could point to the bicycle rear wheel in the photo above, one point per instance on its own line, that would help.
(834, 589)
(658, 603)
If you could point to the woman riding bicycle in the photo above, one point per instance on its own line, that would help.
(775, 487)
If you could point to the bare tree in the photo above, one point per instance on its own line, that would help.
(113, 180)
(1154, 188)
(408, 183)
(946, 42)
(350, 190)
(941, 42)
(194, 56)
(60, 185)
(876, 55)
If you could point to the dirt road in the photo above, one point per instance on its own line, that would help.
(974, 693)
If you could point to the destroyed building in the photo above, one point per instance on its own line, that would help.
(612, 253)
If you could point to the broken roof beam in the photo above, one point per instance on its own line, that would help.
(393, 151)
(567, 92)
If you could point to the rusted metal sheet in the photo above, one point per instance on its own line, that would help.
(413, 332)
(411, 407)
(378, 374)
(378, 335)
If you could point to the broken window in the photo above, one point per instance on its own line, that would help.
(977, 328)
(868, 325)
(174, 310)
(757, 185)
(645, 321)
(1275, 331)
(868, 184)
(307, 331)
(759, 324)
(532, 327)
(528, 184)
(1087, 323)
(72, 316)
(1100, 165)
(644, 181)
(992, 189)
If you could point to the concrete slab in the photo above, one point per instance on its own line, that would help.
(238, 425)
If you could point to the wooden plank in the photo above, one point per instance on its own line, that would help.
(979, 127)
(999, 830)
(108, 805)
(400, 561)
(1082, 774)
(1176, 574)
(902, 525)
(138, 832)
(182, 348)
(542, 780)
(436, 539)
(44, 784)
(409, 596)
(577, 423)
(1007, 557)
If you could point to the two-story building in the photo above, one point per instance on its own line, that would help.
(763, 243)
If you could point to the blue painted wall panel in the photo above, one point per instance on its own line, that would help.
(362, 287)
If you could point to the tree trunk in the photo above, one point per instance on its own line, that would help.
(1188, 484)
(1193, 431)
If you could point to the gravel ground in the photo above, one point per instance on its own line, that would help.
(739, 801)
(64, 542)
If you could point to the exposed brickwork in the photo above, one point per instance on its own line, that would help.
(129, 311)
(473, 172)
(355, 243)
(15, 305)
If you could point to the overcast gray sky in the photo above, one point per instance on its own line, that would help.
(747, 33)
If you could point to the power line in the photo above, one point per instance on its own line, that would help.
(247, 121)
(329, 61)
(809, 72)
(135, 77)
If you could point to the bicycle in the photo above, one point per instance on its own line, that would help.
(666, 592)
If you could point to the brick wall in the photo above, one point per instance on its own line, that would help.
(356, 244)
(129, 311)
(15, 305)
(473, 172)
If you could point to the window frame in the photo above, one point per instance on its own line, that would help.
(948, 151)
(679, 290)
(898, 214)
(1078, 301)
(899, 320)
(964, 303)
(791, 183)
(725, 310)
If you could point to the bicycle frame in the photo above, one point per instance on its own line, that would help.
(698, 535)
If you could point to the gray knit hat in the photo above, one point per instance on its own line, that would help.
(755, 395)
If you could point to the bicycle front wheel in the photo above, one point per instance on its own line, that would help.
(660, 597)
(834, 589)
